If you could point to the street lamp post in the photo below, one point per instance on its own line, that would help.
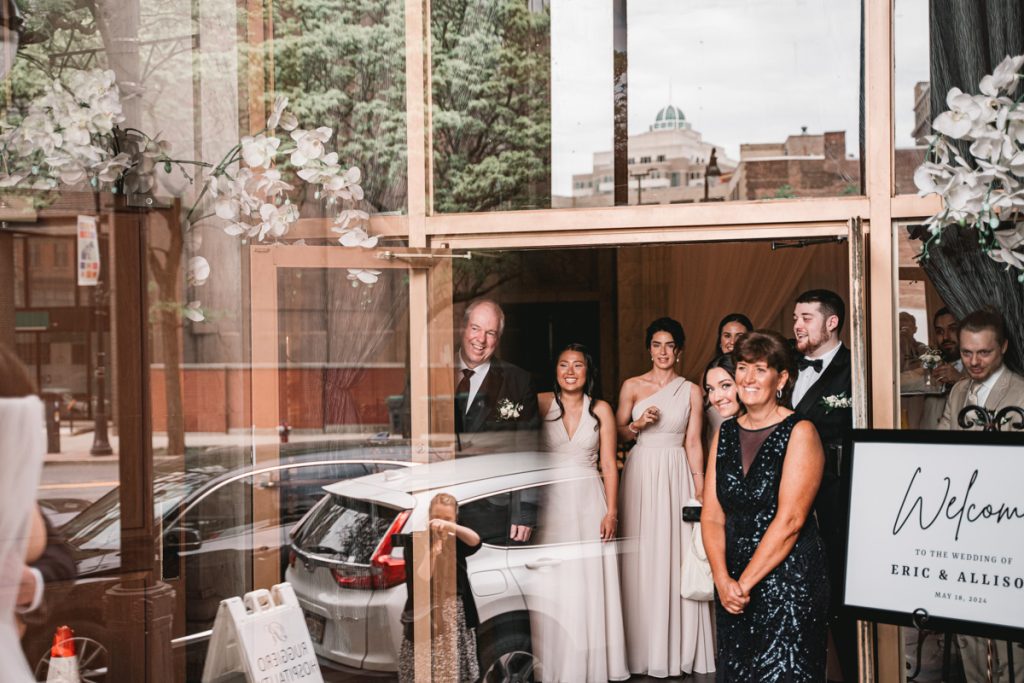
(100, 441)
(711, 170)
(639, 185)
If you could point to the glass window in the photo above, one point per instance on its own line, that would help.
(689, 97)
(911, 90)
(489, 517)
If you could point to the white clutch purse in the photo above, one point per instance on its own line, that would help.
(696, 583)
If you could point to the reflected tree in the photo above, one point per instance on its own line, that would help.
(342, 64)
(492, 105)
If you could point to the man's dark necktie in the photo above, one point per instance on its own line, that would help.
(462, 399)
(805, 363)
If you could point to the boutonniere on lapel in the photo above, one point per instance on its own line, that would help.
(836, 402)
(507, 410)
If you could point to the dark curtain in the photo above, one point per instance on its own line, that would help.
(968, 40)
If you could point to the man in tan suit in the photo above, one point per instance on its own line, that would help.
(991, 385)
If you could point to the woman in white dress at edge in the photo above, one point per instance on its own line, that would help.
(578, 632)
(666, 635)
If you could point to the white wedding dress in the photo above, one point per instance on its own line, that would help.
(22, 445)
(576, 620)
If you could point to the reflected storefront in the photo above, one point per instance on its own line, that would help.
(298, 201)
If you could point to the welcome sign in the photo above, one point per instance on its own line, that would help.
(936, 528)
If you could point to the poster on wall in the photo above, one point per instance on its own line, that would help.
(88, 252)
(936, 530)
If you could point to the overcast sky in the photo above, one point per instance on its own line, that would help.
(741, 71)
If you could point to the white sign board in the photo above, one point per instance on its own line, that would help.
(88, 252)
(263, 636)
(938, 527)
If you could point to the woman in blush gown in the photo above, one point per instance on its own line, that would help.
(666, 635)
(577, 618)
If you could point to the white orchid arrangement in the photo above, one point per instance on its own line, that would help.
(71, 135)
(986, 191)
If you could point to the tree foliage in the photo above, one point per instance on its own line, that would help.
(492, 105)
(342, 64)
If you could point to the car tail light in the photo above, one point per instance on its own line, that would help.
(292, 556)
(385, 571)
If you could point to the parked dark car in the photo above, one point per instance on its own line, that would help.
(222, 528)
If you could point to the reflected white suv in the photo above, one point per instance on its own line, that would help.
(350, 581)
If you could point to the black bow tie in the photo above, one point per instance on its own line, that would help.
(805, 363)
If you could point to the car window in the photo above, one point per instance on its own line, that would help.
(488, 517)
(302, 487)
(547, 508)
(345, 529)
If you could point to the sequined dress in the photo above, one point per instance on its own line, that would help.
(781, 635)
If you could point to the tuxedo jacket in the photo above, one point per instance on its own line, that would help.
(833, 381)
(1007, 391)
(503, 381)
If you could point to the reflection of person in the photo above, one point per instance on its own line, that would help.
(720, 388)
(991, 385)
(453, 617)
(945, 329)
(766, 555)
(910, 348)
(666, 635)
(580, 638)
(485, 384)
(22, 532)
(729, 330)
(824, 380)
(495, 402)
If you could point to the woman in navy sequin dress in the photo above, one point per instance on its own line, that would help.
(766, 555)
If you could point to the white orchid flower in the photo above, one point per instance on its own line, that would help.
(357, 237)
(1004, 77)
(366, 276)
(194, 312)
(350, 218)
(198, 271)
(280, 117)
(931, 178)
(309, 144)
(259, 151)
(959, 120)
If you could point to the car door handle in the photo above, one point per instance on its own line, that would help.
(543, 562)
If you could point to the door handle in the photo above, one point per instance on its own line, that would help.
(543, 562)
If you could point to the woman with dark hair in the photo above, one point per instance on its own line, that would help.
(729, 330)
(577, 621)
(666, 635)
(766, 554)
(720, 389)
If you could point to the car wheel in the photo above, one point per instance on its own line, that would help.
(93, 661)
(508, 658)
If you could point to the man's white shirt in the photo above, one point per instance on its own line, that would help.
(986, 387)
(806, 379)
(476, 380)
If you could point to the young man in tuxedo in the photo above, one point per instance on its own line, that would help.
(825, 379)
(495, 401)
(993, 386)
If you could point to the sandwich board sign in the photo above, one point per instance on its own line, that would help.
(264, 637)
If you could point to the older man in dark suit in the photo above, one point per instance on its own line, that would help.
(495, 401)
(823, 393)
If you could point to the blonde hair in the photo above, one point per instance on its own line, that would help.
(445, 499)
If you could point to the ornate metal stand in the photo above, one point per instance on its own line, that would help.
(991, 421)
